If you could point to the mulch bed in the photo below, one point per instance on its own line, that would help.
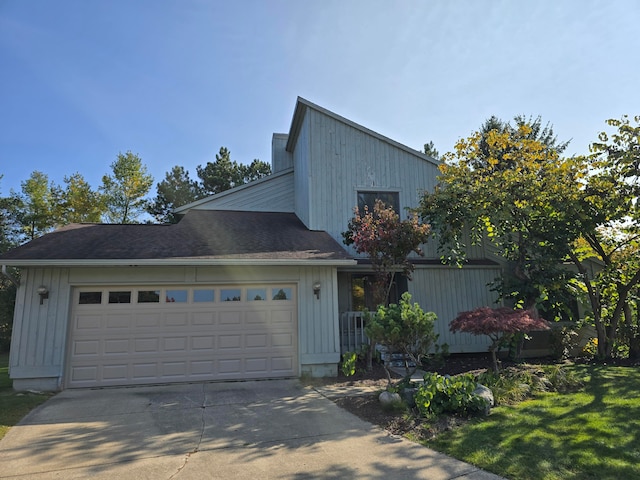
(368, 407)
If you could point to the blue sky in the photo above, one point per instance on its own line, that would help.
(173, 81)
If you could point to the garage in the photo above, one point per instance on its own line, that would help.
(132, 335)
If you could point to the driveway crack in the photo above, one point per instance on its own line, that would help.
(203, 407)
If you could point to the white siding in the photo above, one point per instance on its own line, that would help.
(449, 291)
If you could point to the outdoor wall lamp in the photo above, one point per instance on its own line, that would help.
(43, 292)
(316, 289)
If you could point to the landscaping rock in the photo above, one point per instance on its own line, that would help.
(487, 395)
(409, 396)
(388, 398)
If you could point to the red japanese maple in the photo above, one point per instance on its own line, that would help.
(497, 323)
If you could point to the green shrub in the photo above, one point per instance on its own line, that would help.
(562, 379)
(443, 394)
(348, 365)
(403, 328)
(5, 337)
(507, 387)
(513, 385)
(562, 341)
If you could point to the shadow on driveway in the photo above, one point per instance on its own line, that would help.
(241, 430)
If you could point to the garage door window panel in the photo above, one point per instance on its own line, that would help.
(256, 294)
(281, 293)
(120, 297)
(203, 296)
(90, 298)
(176, 296)
(230, 295)
(149, 296)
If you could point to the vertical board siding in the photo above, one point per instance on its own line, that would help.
(344, 160)
(274, 195)
(39, 336)
(280, 158)
(301, 173)
(319, 335)
(449, 291)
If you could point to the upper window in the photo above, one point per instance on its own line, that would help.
(368, 199)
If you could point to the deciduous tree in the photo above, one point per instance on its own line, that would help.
(507, 186)
(609, 218)
(387, 241)
(78, 202)
(35, 206)
(125, 189)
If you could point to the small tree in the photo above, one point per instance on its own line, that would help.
(497, 324)
(387, 241)
(404, 328)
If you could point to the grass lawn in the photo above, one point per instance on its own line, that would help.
(13, 406)
(591, 434)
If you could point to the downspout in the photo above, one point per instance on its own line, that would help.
(11, 279)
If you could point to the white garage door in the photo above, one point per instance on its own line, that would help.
(140, 335)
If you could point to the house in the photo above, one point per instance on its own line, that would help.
(252, 283)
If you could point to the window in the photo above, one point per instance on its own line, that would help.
(281, 294)
(90, 298)
(255, 294)
(120, 297)
(203, 295)
(149, 296)
(358, 301)
(368, 199)
(176, 296)
(362, 291)
(230, 295)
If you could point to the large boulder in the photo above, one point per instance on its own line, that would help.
(487, 395)
(389, 398)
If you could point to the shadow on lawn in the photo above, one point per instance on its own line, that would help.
(594, 433)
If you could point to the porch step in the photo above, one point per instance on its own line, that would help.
(417, 377)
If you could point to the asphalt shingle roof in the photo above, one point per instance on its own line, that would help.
(201, 234)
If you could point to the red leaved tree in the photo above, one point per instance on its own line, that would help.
(497, 323)
(387, 241)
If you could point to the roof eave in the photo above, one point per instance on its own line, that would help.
(177, 262)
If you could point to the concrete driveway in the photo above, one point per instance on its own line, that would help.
(244, 430)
